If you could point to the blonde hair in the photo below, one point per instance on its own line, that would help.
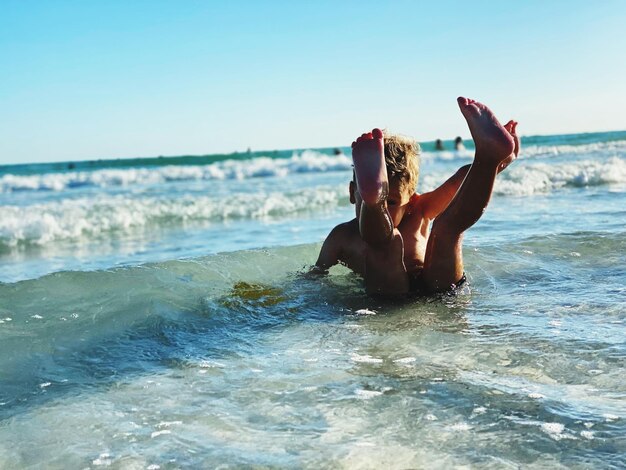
(402, 160)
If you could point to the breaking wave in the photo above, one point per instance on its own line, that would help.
(90, 218)
(305, 162)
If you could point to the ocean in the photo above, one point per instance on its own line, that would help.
(156, 314)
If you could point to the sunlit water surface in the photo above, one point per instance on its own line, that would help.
(150, 339)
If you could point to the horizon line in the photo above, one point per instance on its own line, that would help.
(250, 151)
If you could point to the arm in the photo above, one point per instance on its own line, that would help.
(434, 202)
(330, 252)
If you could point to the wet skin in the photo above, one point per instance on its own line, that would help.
(391, 239)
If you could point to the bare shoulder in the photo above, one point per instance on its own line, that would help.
(346, 230)
(336, 242)
(343, 235)
(427, 205)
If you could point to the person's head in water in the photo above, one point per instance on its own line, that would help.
(458, 143)
(402, 162)
(438, 144)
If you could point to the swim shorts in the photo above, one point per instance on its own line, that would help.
(418, 287)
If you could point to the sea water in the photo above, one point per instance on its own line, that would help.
(156, 313)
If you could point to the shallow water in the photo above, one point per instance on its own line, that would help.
(183, 344)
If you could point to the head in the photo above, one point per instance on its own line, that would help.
(402, 161)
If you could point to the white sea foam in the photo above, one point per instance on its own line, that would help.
(554, 430)
(306, 162)
(365, 311)
(367, 394)
(103, 460)
(405, 360)
(88, 218)
(601, 155)
(594, 149)
(366, 358)
(531, 178)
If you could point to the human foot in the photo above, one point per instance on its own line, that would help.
(493, 142)
(511, 128)
(370, 169)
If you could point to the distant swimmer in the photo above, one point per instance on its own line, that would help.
(337, 152)
(458, 144)
(439, 145)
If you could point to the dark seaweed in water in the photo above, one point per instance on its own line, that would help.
(253, 294)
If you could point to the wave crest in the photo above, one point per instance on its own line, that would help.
(524, 180)
(306, 162)
(39, 224)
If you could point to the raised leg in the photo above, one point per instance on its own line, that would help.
(495, 146)
(375, 224)
(385, 272)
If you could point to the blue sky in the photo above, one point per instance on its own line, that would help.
(84, 80)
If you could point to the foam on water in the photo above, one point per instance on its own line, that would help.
(308, 161)
(599, 150)
(533, 178)
(305, 162)
(90, 218)
(242, 358)
(211, 361)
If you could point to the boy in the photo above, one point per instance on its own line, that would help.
(390, 242)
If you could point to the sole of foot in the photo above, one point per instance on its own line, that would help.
(369, 166)
(492, 140)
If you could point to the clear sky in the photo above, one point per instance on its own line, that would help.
(119, 78)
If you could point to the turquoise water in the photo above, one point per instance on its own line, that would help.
(157, 315)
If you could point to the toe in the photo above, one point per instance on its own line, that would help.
(377, 133)
(468, 107)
